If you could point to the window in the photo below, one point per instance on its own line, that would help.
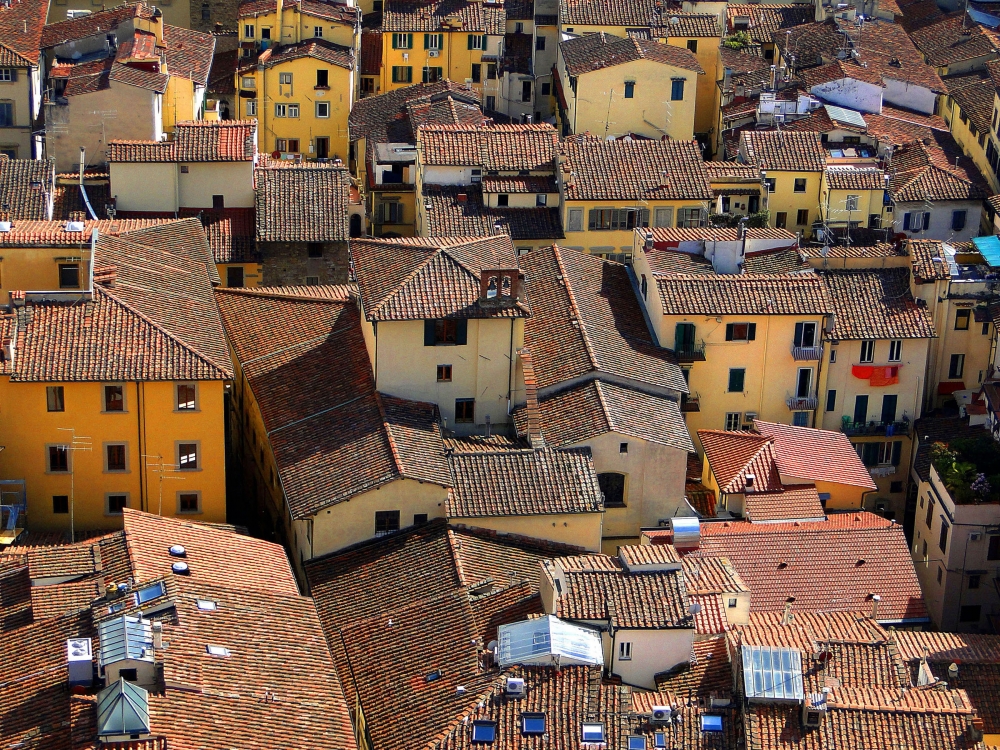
(802, 217)
(677, 90)
(660, 739)
(284, 79)
(636, 743)
(477, 72)
(207, 605)
(781, 219)
(188, 502)
(217, 650)
(432, 74)
(147, 593)
(69, 275)
(312, 280)
(438, 332)
(800, 185)
(433, 41)
(187, 456)
(687, 218)
(234, 276)
(800, 418)
(993, 551)
(402, 74)
(733, 420)
(392, 212)
(541, 200)
(114, 398)
(737, 378)
(6, 114)
(962, 318)
(693, 45)
(477, 41)
(958, 220)
(831, 400)
(929, 518)
(645, 286)
(889, 405)
(593, 732)
(293, 111)
(613, 219)
(741, 331)
(940, 575)
(974, 582)
(629, 89)
(546, 89)
(803, 382)
(833, 356)
(114, 457)
(519, 27)
(623, 447)
(318, 32)
(8, 75)
(613, 488)
(771, 183)
(386, 522)
(532, 723)
(664, 217)
(867, 351)
(970, 613)
(186, 397)
(444, 373)
(525, 91)
(54, 399)
(895, 487)
(574, 222)
(805, 335)
(956, 366)
(465, 410)
(60, 503)
(113, 503)
(731, 603)
(249, 82)
(251, 107)
(323, 79)
(402, 41)
(895, 350)
(943, 537)
(281, 110)
(503, 200)
(265, 32)
(539, 43)
(484, 731)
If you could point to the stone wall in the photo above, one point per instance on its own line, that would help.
(288, 263)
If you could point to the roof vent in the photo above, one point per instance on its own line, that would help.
(177, 550)
(515, 687)
(74, 226)
(80, 660)
(5, 226)
(180, 568)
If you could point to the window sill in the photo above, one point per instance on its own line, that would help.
(186, 411)
(190, 512)
(321, 88)
(60, 473)
(187, 470)
(615, 505)
(105, 411)
(117, 471)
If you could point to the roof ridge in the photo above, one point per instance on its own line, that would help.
(172, 336)
(604, 406)
(434, 251)
(591, 355)
(258, 292)
(397, 459)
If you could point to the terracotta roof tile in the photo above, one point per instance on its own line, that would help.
(371, 52)
(793, 502)
(430, 15)
(193, 141)
(672, 261)
(587, 322)
(595, 51)
(747, 294)
(782, 151)
(617, 13)
(778, 261)
(188, 53)
(26, 186)
(733, 455)
(597, 407)
(320, 49)
(93, 24)
(708, 673)
(230, 231)
(876, 304)
(704, 25)
(949, 40)
(815, 455)
(855, 178)
(919, 172)
(21, 25)
(302, 202)
(765, 20)
(633, 170)
(332, 438)
(386, 117)
(496, 147)
(523, 482)
(824, 565)
(927, 260)
(449, 215)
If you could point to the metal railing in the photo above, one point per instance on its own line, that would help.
(898, 427)
(806, 353)
(690, 402)
(802, 403)
(693, 352)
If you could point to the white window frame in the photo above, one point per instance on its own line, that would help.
(624, 650)
(251, 108)
(852, 202)
(284, 79)
(322, 105)
(895, 350)
(869, 355)
(249, 31)
(318, 32)
(733, 420)
(248, 82)
(280, 110)
(293, 111)
(6, 75)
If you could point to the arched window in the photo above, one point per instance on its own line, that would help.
(613, 488)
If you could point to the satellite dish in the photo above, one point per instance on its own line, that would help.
(825, 251)
(275, 154)
(695, 608)
(492, 646)
(674, 20)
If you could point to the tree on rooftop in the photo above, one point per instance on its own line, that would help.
(738, 40)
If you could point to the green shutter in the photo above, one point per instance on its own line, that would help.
(409, 41)
(897, 451)
(471, 37)
(429, 335)
(484, 43)
(462, 332)
(394, 42)
(427, 41)
(592, 219)
(440, 41)
(798, 334)
(729, 331)
(751, 332)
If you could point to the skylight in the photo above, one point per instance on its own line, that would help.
(533, 723)
(484, 731)
(149, 593)
(659, 740)
(593, 733)
(636, 743)
(207, 605)
(217, 650)
(772, 674)
(711, 723)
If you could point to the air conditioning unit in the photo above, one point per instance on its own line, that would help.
(813, 710)
(80, 660)
(434, 53)
(662, 714)
(975, 536)
(515, 687)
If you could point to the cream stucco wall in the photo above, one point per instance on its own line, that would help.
(653, 651)
(18, 93)
(580, 529)
(232, 180)
(130, 185)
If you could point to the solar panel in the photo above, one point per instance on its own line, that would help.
(839, 114)
(772, 674)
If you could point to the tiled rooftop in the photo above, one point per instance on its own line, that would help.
(431, 278)
(302, 202)
(919, 172)
(26, 185)
(876, 304)
(955, 39)
(783, 151)
(523, 483)
(815, 455)
(193, 141)
(746, 294)
(927, 260)
(493, 147)
(765, 20)
(332, 437)
(595, 51)
(586, 322)
(320, 49)
(633, 170)
(459, 211)
(429, 15)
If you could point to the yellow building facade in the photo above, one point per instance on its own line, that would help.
(300, 95)
(854, 196)
(451, 52)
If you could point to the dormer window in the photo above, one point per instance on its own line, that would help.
(593, 733)
(533, 724)
(484, 731)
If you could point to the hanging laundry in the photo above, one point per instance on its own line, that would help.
(862, 371)
(885, 375)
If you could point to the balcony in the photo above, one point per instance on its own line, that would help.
(690, 402)
(693, 352)
(901, 427)
(807, 353)
(802, 403)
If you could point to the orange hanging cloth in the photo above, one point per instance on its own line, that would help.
(885, 375)
(862, 371)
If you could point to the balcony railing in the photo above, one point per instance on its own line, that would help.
(900, 427)
(802, 403)
(695, 352)
(806, 353)
(690, 402)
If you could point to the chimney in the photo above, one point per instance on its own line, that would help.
(534, 420)
(875, 600)
(648, 244)
(157, 628)
(750, 479)
(9, 349)
(461, 197)
(786, 616)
